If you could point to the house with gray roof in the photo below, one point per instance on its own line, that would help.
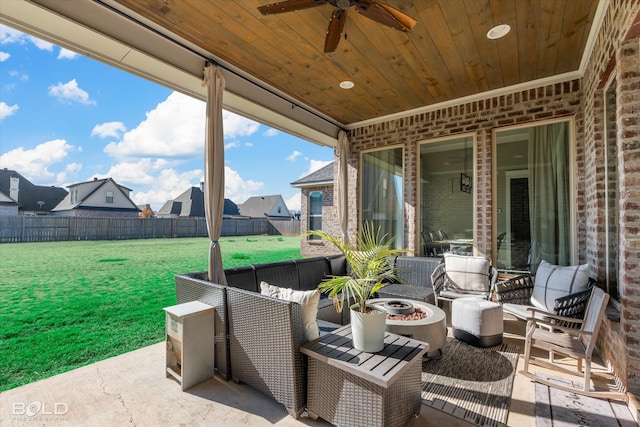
(31, 199)
(190, 204)
(8, 206)
(97, 198)
(272, 206)
(317, 211)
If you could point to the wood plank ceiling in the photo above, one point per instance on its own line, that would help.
(446, 56)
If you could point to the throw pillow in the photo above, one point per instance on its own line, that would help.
(468, 274)
(307, 299)
(554, 281)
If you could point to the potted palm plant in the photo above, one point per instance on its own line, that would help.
(371, 268)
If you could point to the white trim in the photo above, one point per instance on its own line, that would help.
(314, 184)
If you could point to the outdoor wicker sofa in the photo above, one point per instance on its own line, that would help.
(257, 336)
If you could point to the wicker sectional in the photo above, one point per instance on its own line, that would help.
(258, 337)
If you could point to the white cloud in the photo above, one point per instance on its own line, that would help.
(168, 185)
(19, 75)
(314, 165)
(7, 110)
(108, 129)
(271, 132)
(4, 56)
(237, 189)
(69, 174)
(41, 44)
(293, 156)
(66, 54)
(70, 92)
(175, 128)
(9, 35)
(142, 172)
(235, 125)
(233, 144)
(294, 203)
(248, 144)
(34, 163)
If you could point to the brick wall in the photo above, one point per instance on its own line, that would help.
(309, 248)
(616, 55)
(616, 50)
(482, 117)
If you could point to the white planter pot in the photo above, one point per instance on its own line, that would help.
(367, 330)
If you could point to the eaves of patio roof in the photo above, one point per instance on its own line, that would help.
(277, 74)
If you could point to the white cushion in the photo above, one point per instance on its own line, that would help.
(467, 274)
(309, 301)
(553, 281)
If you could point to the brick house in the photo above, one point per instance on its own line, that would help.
(317, 209)
(597, 110)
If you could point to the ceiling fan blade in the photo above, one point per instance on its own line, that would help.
(334, 32)
(288, 6)
(386, 15)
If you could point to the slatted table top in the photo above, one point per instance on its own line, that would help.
(382, 368)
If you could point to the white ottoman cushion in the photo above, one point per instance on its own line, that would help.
(477, 321)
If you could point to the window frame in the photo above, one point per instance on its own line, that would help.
(611, 82)
(573, 215)
(310, 215)
(474, 186)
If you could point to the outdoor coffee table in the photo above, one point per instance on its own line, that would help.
(432, 329)
(347, 387)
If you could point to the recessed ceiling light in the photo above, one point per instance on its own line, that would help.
(498, 31)
(347, 84)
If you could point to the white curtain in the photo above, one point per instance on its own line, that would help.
(214, 169)
(382, 198)
(342, 194)
(549, 202)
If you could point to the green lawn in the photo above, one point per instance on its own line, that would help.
(68, 304)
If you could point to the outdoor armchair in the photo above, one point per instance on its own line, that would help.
(561, 290)
(575, 338)
(463, 276)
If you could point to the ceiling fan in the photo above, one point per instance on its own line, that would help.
(371, 9)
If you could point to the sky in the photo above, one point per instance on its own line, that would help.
(66, 118)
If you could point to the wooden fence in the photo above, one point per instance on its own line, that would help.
(15, 229)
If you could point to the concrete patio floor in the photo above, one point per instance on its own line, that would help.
(131, 389)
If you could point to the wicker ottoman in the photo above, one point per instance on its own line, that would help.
(477, 321)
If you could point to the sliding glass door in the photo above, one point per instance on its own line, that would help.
(382, 197)
(534, 204)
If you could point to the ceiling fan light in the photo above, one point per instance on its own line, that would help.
(347, 84)
(498, 31)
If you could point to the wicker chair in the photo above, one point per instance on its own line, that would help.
(444, 289)
(515, 294)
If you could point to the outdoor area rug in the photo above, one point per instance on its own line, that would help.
(471, 383)
(559, 408)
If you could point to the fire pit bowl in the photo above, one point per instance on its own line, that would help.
(399, 307)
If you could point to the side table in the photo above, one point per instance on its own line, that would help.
(190, 342)
(347, 387)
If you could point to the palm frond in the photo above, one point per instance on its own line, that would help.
(370, 261)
